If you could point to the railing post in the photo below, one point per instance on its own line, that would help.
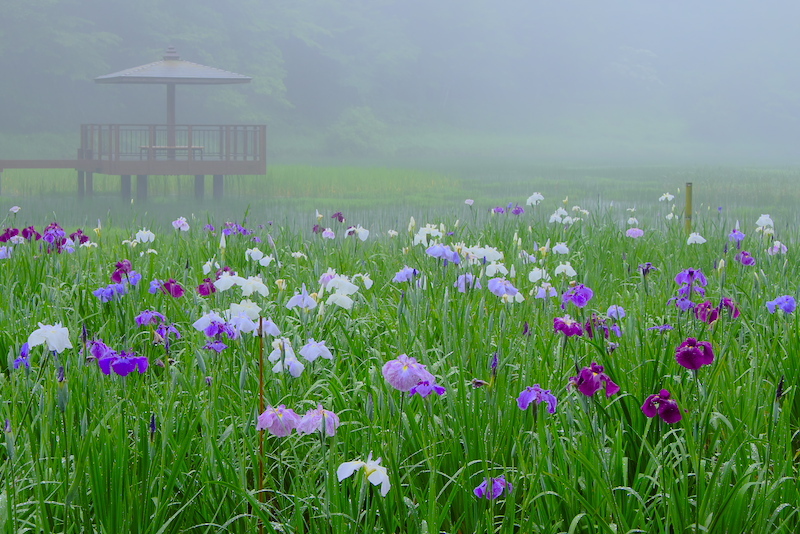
(687, 212)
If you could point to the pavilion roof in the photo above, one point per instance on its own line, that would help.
(172, 69)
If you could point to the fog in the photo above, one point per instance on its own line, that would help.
(593, 81)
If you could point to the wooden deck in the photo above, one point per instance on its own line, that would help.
(159, 150)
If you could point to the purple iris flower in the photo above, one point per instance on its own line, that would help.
(598, 323)
(123, 363)
(745, 258)
(30, 233)
(591, 379)
(122, 268)
(162, 334)
(99, 350)
(518, 210)
(646, 268)
(660, 404)
(443, 252)
(579, 295)
(105, 294)
(425, 388)
(338, 216)
(568, 326)
(209, 228)
(23, 360)
(148, 317)
(155, 286)
(694, 354)
(206, 287)
(406, 274)
(616, 312)
(216, 345)
(499, 209)
(728, 304)
(691, 280)
(536, 394)
(501, 286)
(492, 488)
(662, 327)
(736, 236)
(786, 303)
(110, 292)
(172, 287)
(706, 312)
(8, 234)
(683, 303)
(467, 281)
(405, 372)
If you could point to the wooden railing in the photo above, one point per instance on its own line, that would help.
(158, 142)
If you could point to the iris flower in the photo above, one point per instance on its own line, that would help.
(123, 363)
(591, 379)
(492, 488)
(148, 317)
(56, 337)
(694, 354)
(538, 395)
(502, 287)
(405, 372)
(278, 421)
(302, 300)
(660, 404)
(745, 258)
(568, 326)
(425, 388)
(406, 274)
(315, 349)
(579, 295)
(373, 470)
(786, 304)
(319, 420)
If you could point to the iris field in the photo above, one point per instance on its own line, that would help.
(519, 365)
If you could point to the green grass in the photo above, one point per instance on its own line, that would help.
(80, 455)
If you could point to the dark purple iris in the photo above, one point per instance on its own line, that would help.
(660, 404)
(591, 379)
(568, 326)
(694, 354)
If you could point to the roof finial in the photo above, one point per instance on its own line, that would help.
(171, 54)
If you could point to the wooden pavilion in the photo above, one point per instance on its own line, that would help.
(142, 150)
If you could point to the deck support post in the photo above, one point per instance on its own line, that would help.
(141, 187)
(199, 186)
(81, 187)
(218, 186)
(125, 188)
(89, 183)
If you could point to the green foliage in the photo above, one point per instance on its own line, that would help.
(80, 455)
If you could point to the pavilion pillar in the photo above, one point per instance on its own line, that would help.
(141, 186)
(125, 188)
(89, 184)
(218, 185)
(199, 186)
(81, 188)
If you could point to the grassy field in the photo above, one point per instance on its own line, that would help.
(190, 442)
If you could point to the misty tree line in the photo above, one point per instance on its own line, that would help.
(364, 65)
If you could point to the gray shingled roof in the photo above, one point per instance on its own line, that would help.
(172, 69)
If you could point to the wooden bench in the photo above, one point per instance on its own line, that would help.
(153, 151)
